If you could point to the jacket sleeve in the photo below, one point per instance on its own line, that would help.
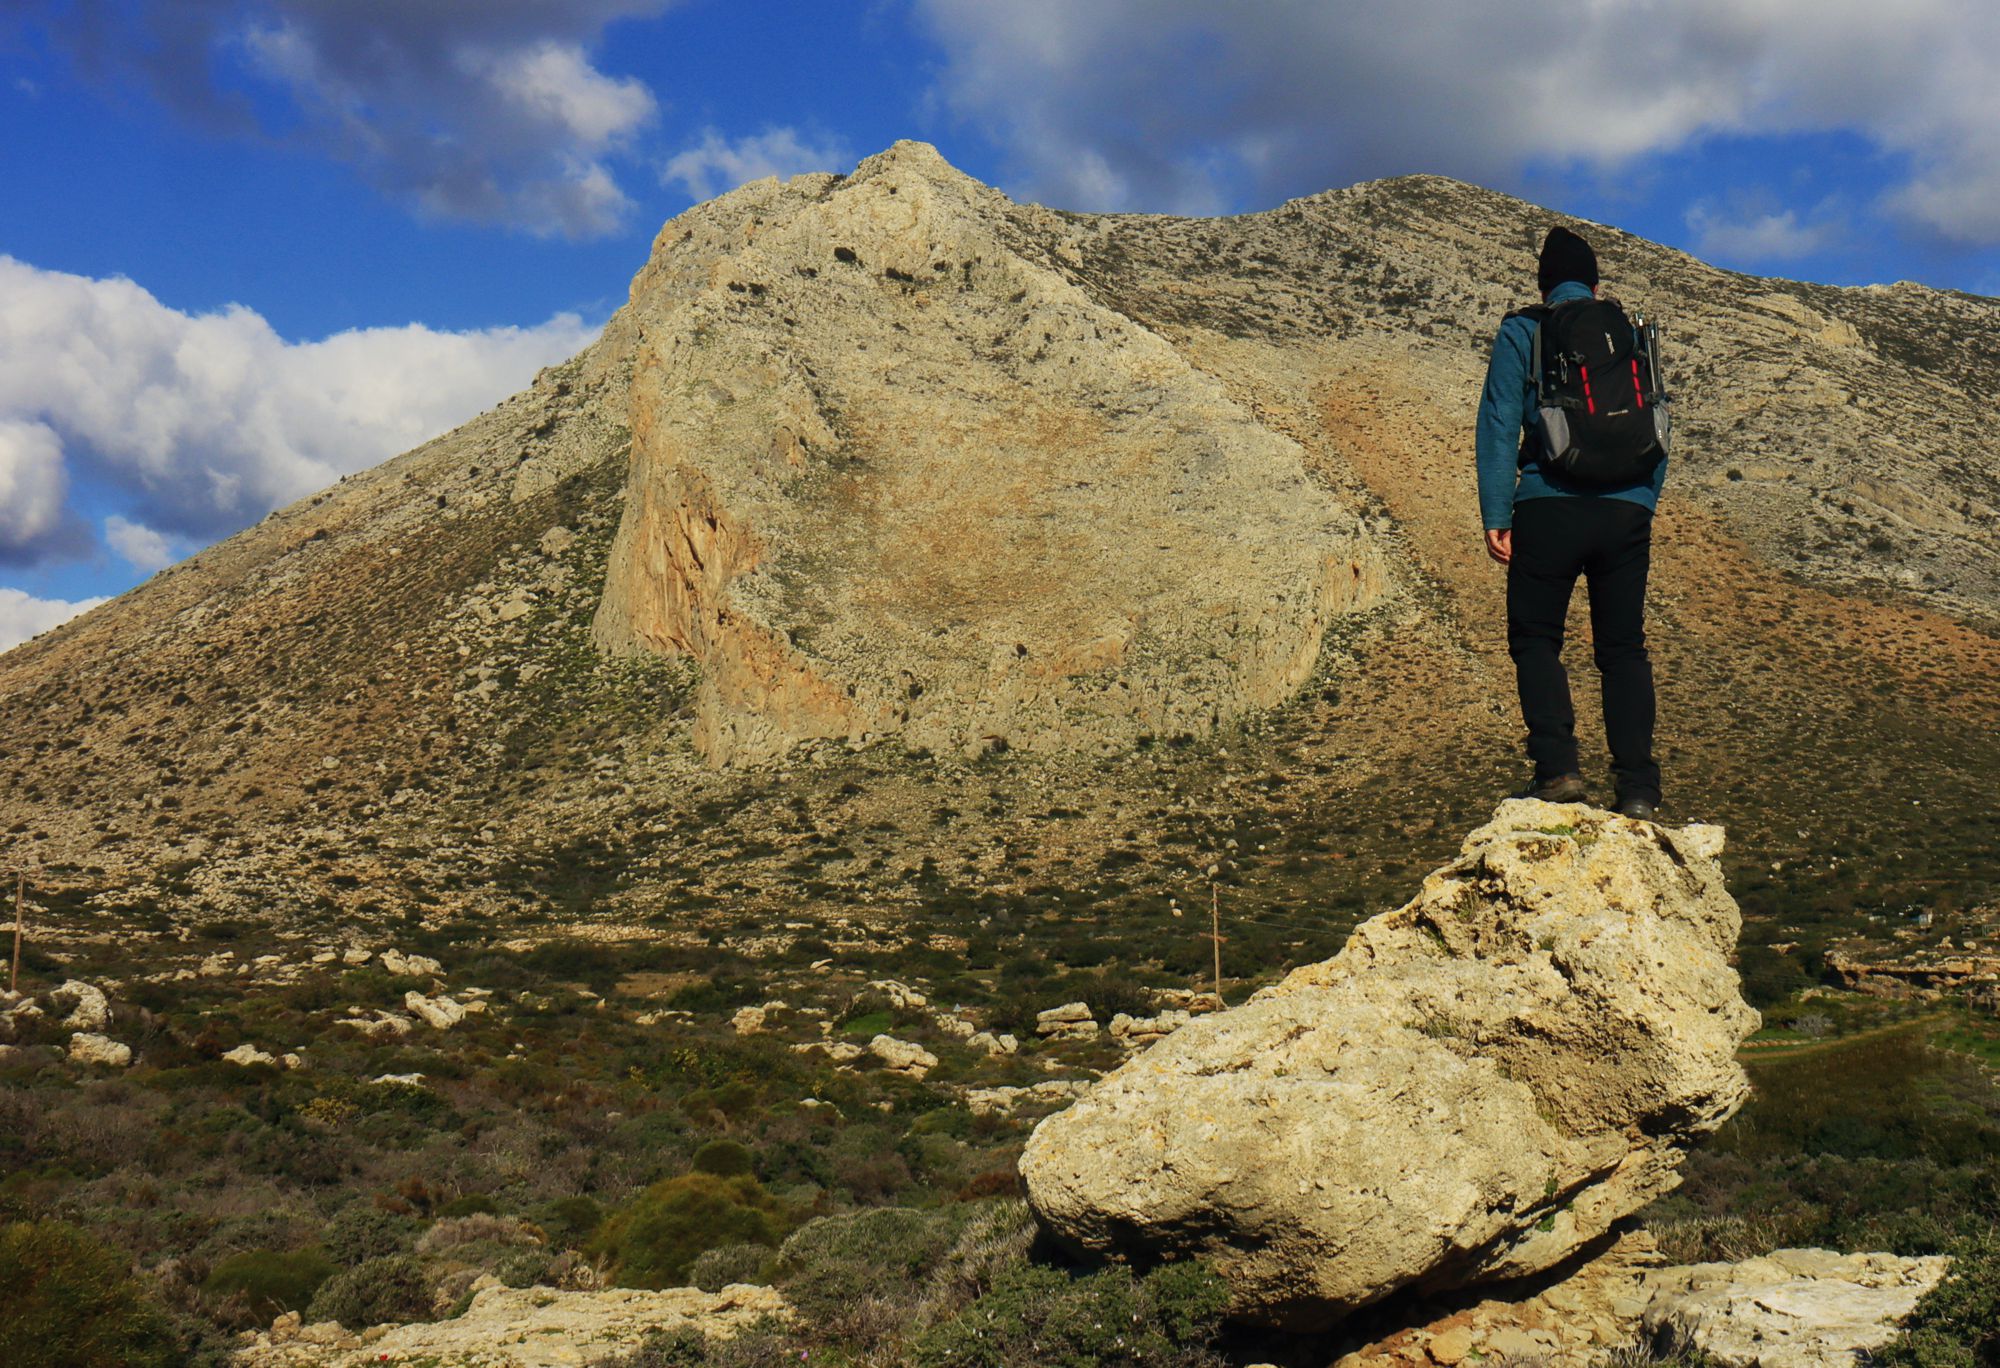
(1502, 405)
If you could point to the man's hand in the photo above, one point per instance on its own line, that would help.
(1500, 544)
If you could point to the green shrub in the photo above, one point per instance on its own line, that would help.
(1957, 1324)
(471, 1204)
(717, 1268)
(453, 1232)
(269, 1281)
(723, 1158)
(69, 1302)
(830, 1266)
(361, 1231)
(1036, 1315)
(572, 1219)
(386, 1290)
(524, 1267)
(654, 1241)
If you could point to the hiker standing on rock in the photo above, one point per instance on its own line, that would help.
(1571, 455)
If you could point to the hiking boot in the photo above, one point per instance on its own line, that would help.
(1639, 809)
(1564, 788)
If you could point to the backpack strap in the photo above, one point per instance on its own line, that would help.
(1538, 314)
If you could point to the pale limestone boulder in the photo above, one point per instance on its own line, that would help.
(901, 995)
(89, 1009)
(527, 1327)
(1071, 1021)
(439, 1013)
(1481, 1082)
(414, 966)
(747, 1020)
(102, 1051)
(247, 1054)
(901, 1056)
(1133, 1032)
(381, 1026)
(994, 1044)
(1795, 1308)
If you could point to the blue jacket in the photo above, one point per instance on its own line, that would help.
(1509, 440)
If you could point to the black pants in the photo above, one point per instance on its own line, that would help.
(1610, 543)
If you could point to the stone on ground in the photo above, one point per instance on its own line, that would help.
(529, 1327)
(1795, 1308)
(1482, 1082)
(90, 1010)
(85, 1047)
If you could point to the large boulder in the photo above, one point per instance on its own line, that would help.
(1479, 1084)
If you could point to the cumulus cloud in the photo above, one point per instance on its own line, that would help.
(474, 109)
(717, 164)
(1181, 104)
(202, 423)
(1753, 234)
(32, 485)
(22, 615)
(140, 545)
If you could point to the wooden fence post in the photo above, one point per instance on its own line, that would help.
(20, 904)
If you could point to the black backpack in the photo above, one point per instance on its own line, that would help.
(1597, 388)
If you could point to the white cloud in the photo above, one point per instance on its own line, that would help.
(717, 164)
(201, 423)
(1167, 104)
(493, 112)
(555, 82)
(23, 616)
(31, 485)
(1755, 234)
(140, 545)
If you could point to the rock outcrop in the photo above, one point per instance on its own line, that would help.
(1480, 1083)
(1795, 1308)
(89, 1009)
(87, 1047)
(896, 471)
(528, 1327)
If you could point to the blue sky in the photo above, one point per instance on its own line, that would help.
(247, 246)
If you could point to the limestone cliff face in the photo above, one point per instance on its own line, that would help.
(895, 472)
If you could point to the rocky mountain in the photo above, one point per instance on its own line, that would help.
(900, 547)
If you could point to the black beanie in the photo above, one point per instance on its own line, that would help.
(1565, 256)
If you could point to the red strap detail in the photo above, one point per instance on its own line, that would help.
(1588, 401)
(1636, 387)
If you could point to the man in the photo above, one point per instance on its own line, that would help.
(1546, 532)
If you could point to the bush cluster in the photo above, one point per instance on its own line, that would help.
(655, 1241)
(389, 1290)
(264, 1283)
(1957, 1324)
(72, 1303)
(1037, 1315)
